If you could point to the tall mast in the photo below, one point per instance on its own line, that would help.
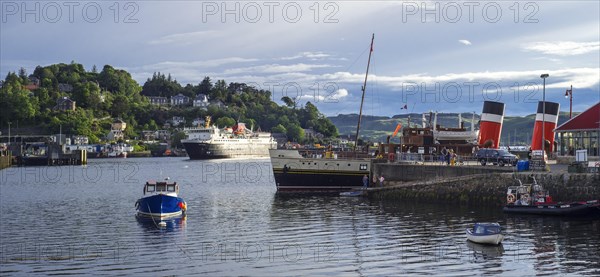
(362, 99)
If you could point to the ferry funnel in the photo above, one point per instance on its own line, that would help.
(490, 126)
(549, 120)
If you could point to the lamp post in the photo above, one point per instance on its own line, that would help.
(569, 94)
(543, 76)
(9, 132)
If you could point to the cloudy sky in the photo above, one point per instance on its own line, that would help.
(427, 55)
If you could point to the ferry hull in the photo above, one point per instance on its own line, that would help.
(204, 151)
(159, 206)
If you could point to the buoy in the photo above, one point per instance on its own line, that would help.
(162, 224)
(168, 178)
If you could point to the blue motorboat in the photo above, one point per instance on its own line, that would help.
(161, 200)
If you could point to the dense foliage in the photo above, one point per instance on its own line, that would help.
(112, 93)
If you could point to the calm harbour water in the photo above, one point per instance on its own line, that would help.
(80, 220)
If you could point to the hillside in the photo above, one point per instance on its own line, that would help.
(517, 129)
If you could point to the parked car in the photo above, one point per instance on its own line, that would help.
(495, 156)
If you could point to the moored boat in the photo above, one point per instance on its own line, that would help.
(160, 200)
(485, 233)
(533, 199)
(322, 171)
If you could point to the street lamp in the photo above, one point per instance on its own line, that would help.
(568, 94)
(543, 76)
(9, 132)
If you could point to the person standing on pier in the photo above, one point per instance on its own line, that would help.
(381, 179)
(365, 181)
(375, 180)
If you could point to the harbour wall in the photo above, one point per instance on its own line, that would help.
(485, 186)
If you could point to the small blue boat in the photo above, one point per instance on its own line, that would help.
(160, 200)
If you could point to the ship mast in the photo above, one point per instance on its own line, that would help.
(362, 99)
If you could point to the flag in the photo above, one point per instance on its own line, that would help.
(397, 129)
(404, 108)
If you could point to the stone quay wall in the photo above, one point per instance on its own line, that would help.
(476, 185)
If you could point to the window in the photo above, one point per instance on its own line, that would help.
(363, 167)
(160, 187)
(150, 188)
(171, 188)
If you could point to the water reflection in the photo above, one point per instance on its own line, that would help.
(167, 225)
(485, 252)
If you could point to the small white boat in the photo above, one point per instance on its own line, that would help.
(485, 233)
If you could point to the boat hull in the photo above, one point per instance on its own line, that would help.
(493, 239)
(293, 172)
(159, 206)
(575, 208)
(317, 180)
(204, 151)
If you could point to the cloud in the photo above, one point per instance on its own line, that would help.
(563, 48)
(332, 97)
(276, 68)
(184, 38)
(309, 55)
(464, 41)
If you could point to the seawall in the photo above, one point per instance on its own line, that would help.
(476, 185)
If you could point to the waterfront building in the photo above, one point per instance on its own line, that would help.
(582, 132)
(158, 100)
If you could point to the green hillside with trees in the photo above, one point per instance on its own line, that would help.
(101, 97)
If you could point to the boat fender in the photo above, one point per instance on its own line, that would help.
(510, 198)
(137, 204)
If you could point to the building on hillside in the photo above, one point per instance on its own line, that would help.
(201, 101)
(65, 104)
(177, 120)
(281, 139)
(148, 136)
(179, 99)
(158, 100)
(198, 122)
(162, 135)
(217, 103)
(118, 124)
(115, 135)
(580, 132)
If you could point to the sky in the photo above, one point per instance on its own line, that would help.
(427, 55)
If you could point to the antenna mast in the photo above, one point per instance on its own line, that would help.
(362, 99)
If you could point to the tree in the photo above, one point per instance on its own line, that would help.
(295, 132)
(225, 122)
(279, 129)
(289, 102)
(205, 86)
